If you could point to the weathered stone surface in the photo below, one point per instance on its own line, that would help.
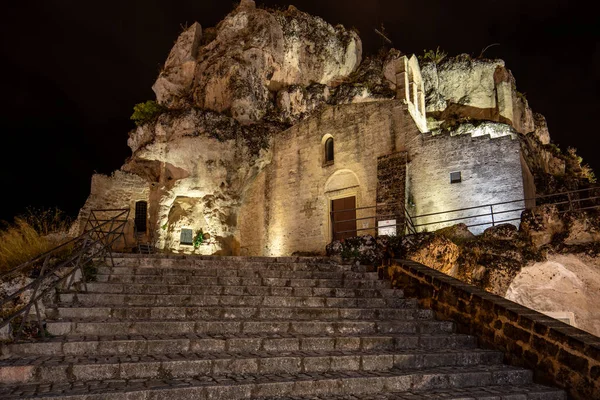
(481, 89)
(254, 54)
(456, 232)
(177, 74)
(501, 232)
(563, 283)
(435, 251)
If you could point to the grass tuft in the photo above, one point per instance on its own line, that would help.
(27, 237)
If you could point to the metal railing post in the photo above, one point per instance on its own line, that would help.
(492, 214)
(570, 201)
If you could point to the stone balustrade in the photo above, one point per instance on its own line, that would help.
(559, 354)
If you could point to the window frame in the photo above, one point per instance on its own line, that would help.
(139, 205)
(453, 177)
(329, 154)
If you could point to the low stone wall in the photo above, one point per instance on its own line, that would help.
(559, 354)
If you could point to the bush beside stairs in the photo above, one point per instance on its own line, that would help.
(157, 327)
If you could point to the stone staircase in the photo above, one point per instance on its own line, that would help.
(260, 328)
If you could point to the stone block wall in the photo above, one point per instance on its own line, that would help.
(291, 197)
(120, 190)
(491, 172)
(391, 189)
(559, 354)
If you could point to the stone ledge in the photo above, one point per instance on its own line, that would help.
(559, 354)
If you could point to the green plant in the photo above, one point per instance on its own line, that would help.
(146, 112)
(199, 238)
(436, 56)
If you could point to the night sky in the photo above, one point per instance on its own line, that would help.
(72, 71)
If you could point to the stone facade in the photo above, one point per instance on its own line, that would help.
(490, 172)
(287, 209)
(237, 157)
(120, 190)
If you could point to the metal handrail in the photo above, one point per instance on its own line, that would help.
(96, 241)
(572, 202)
(410, 221)
(398, 205)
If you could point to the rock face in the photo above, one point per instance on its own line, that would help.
(480, 89)
(468, 95)
(253, 55)
(563, 286)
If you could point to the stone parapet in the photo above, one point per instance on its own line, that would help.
(559, 354)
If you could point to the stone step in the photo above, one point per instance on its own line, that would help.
(253, 386)
(237, 312)
(237, 281)
(236, 272)
(147, 288)
(156, 261)
(69, 368)
(154, 345)
(506, 392)
(103, 299)
(266, 327)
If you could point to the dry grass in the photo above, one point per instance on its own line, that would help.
(20, 242)
(26, 237)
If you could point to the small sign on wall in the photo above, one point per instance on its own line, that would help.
(187, 236)
(387, 227)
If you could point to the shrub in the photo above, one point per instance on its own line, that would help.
(146, 112)
(46, 221)
(436, 56)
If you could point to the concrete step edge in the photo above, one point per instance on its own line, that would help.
(185, 343)
(467, 376)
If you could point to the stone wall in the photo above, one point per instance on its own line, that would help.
(391, 192)
(291, 197)
(120, 190)
(558, 354)
(490, 170)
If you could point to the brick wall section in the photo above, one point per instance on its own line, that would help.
(391, 188)
(559, 354)
(491, 173)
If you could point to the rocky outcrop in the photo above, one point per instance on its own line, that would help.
(253, 55)
(564, 286)
(471, 95)
(480, 89)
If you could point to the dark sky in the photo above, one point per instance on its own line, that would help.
(72, 71)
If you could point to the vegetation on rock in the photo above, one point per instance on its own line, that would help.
(436, 56)
(146, 112)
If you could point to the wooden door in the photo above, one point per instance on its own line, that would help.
(344, 218)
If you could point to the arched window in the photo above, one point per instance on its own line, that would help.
(141, 208)
(329, 150)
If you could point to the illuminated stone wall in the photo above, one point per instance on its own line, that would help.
(490, 169)
(120, 190)
(286, 210)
